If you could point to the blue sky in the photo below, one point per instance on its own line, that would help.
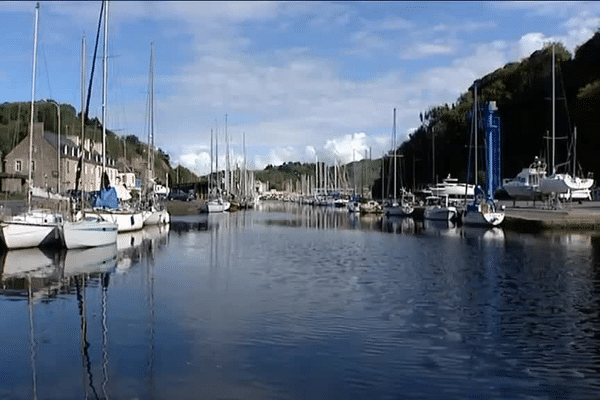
(299, 79)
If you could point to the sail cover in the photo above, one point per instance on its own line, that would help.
(107, 198)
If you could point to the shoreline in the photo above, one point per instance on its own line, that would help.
(521, 216)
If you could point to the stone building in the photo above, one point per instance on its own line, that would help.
(45, 171)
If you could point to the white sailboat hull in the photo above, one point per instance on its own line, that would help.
(156, 217)
(126, 221)
(215, 206)
(478, 218)
(31, 229)
(89, 233)
(562, 183)
(482, 214)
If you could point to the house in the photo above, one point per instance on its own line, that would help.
(128, 180)
(45, 166)
(260, 187)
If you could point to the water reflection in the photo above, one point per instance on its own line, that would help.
(134, 246)
(259, 304)
(49, 282)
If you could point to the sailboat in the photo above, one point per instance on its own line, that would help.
(561, 183)
(107, 204)
(91, 230)
(215, 203)
(400, 208)
(34, 227)
(483, 210)
(154, 214)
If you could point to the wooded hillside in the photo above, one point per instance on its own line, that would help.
(523, 92)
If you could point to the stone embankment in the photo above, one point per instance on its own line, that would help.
(527, 216)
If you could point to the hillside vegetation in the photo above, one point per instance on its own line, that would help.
(522, 91)
(14, 127)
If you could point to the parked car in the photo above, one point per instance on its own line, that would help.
(182, 195)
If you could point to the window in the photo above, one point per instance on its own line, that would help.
(32, 165)
(18, 166)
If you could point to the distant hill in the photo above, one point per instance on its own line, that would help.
(293, 175)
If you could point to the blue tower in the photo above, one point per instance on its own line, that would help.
(492, 149)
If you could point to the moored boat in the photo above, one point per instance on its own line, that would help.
(438, 209)
(452, 188)
(484, 210)
(32, 228)
(91, 231)
(215, 205)
(370, 207)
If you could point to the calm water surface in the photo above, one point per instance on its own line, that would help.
(292, 302)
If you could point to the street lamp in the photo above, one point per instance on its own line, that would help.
(57, 145)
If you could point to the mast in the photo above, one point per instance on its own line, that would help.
(574, 152)
(82, 155)
(151, 117)
(475, 129)
(104, 97)
(335, 175)
(227, 166)
(245, 189)
(394, 145)
(553, 110)
(217, 155)
(382, 176)
(35, 40)
(210, 180)
(316, 191)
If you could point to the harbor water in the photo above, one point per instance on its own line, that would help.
(300, 302)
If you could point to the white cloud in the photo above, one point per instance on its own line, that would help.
(391, 23)
(468, 26)
(420, 50)
(530, 43)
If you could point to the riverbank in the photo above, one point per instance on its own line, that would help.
(178, 207)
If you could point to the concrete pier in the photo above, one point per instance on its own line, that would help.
(525, 216)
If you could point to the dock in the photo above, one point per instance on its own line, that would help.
(530, 217)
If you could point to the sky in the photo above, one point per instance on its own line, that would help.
(293, 81)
